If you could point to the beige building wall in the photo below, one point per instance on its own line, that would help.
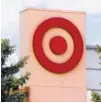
(45, 85)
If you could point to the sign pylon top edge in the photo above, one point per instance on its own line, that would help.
(53, 10)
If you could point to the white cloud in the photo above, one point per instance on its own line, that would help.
(13, 59)
(10, 12)
(90, 6)
(10, 15)
(10, 21)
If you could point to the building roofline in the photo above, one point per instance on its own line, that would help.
(93, 89)
(53, 10)
(89, 47)
(94, 69)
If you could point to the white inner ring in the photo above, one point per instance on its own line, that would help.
(46, 45)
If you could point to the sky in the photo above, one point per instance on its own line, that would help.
(11, 9)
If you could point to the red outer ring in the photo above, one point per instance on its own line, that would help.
(77, 40)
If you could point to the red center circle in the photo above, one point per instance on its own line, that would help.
(58, 45)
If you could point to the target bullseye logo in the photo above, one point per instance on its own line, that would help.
(44, 42)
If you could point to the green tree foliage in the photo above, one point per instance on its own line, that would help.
(9, 82)
(96, 97)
